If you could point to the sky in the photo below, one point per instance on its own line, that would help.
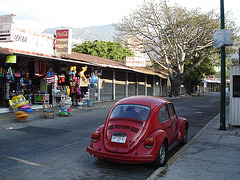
(38, 15)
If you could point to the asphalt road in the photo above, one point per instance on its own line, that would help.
(56, 148)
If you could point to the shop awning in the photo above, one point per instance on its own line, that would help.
(85, 59)
(211, 81)
(5, 52)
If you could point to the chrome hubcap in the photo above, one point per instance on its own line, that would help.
(162, 153)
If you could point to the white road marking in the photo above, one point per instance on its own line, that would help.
(23, 161)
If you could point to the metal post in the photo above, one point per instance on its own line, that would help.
(98, 89)
(223, 78)
(126, 84)
(146, 93)
(114, 86)
(239, 55)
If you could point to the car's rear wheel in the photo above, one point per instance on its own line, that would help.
(162, 156)
(185, 135)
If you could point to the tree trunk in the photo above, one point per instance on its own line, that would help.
(175, 86)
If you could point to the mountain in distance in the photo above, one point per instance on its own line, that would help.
(104, 33)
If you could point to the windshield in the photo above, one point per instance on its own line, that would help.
(133, 111)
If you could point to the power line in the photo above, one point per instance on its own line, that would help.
(38, 13)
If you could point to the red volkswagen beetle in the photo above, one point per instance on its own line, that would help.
(139, 129)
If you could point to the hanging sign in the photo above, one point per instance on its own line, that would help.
(135, 61)
(11, 59)
(6, 26)
(64, 41)
(222, 37)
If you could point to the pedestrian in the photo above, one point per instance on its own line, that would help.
(77, 94)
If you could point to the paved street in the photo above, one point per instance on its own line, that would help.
(56, 148)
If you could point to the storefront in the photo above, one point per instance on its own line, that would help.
(33, 80)
(41, 79)
(116, 80)
(29, 66)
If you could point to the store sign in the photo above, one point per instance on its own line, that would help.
(6, 26)
(28, 42)
(64, 41)
(135, 61)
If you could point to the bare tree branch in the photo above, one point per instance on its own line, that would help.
(171, 35)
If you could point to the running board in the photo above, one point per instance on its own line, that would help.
(177, 142)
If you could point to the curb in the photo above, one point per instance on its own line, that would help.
(160, 172)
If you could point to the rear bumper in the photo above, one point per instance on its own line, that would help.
(122, 158)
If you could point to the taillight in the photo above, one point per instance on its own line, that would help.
(149, 142)
(96, 136)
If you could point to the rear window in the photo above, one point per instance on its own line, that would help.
(132, 111)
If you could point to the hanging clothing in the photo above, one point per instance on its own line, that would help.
(50, 76)
(36, 68)
(62, 78)
(10, 78)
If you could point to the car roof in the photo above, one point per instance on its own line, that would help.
(150, 101)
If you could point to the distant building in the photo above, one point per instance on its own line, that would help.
(212, 84)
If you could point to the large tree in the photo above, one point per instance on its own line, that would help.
(171, 35)
(194, 78)
(106, 49)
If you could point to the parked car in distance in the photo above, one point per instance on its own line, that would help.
(139, 129)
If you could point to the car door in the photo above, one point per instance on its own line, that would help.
(166, 121)
(173, 119)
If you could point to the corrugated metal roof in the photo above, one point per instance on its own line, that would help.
(5, 52)
(97, 61)
(93, 59)
(152, 71)
(104, 62)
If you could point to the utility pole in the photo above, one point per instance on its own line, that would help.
(223, 77)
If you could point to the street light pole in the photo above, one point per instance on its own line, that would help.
(223, 77)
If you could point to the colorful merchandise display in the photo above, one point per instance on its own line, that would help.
(93, 82)
(20, 106)
(81, 74)
(74, 77)
(65, 105)
(21, 115)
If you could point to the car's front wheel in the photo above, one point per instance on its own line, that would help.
(162, 156)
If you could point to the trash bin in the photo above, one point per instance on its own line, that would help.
(89, 103)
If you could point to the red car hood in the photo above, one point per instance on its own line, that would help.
(131, 128)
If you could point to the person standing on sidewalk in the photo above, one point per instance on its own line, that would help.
(77, 93)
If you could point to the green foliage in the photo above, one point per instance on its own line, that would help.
(194, 78)
(106, 49)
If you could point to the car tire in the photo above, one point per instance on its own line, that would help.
(185, 135)
(162, 156)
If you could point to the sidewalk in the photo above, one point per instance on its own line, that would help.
(211, 154)
(10, 117)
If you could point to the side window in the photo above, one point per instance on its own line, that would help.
(163, 113)
(171, 110)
